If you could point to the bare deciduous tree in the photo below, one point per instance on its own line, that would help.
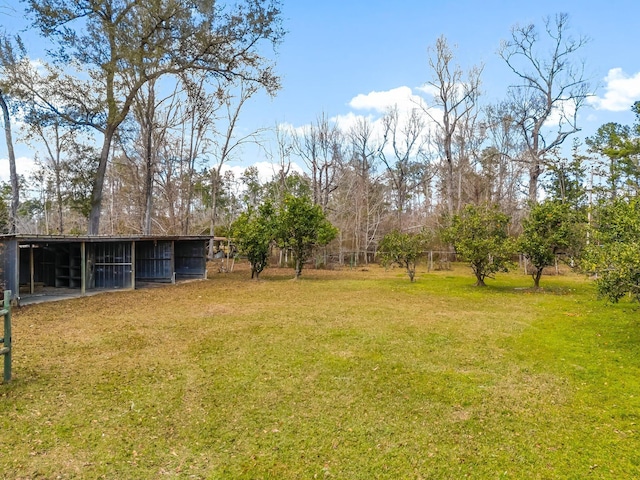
(229, 142)
(455, 97)
(367, 199)
(153, 122)
(116, 47)
(499, 166)
(552, 88)
(15, 188)
(403, 154)
(321, 148)
(60, 140)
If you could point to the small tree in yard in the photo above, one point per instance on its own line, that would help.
(479, 235)
(403, 249)
(613, 253)
(302, 226)
(551, 228)
(253, 232)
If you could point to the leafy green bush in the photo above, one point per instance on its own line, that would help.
(480, 236)
(404, 250)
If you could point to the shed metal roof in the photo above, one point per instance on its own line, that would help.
(26, 238)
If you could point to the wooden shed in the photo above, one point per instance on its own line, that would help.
(45, 263)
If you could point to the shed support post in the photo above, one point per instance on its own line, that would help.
(13, 276)
(133, 265)
(32, 271)
(83, 268)
(173, 261)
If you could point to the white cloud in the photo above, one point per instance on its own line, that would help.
(403, 98)
(266, 170)
(350, 120)
(621, 91)
(372, 107)
(381, 102)
(429, 89)
(290, 129)
(562, 112)
(24, 166)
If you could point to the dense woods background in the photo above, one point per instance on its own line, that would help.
(134, 118)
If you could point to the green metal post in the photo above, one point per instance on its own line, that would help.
(7, 336)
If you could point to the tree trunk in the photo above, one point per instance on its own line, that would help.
(215, 178)
(15, 188)
(449, 186)
(98, 185)
(298, 267)
(536, 278)
(411, 270)
(149, 161)
(59, 198)
(189, 201)
(534, 173)
(148, 206)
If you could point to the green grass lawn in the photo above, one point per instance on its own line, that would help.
(343, 374)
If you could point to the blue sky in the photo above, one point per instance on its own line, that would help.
(337, 51)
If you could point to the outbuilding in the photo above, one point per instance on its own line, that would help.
(42, 264)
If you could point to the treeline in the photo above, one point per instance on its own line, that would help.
(126, 103)
(134, 114)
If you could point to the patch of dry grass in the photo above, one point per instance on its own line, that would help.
(345, 374)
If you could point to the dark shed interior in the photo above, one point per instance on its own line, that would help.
(90, 263)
